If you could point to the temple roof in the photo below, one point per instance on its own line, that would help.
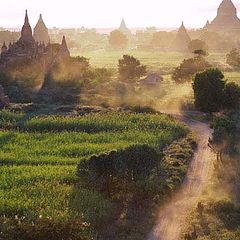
(123, 28)
(227, 8)
(182, 39)
(26, 33)
(226, 19)
(64, 48)
(41, 31)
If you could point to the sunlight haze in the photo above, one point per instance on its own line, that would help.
(108, 13)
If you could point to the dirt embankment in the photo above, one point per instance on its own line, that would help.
(173, 215)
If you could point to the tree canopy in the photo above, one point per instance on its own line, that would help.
(118, 40)
(130, 69)
(208, 87)
(188, 68)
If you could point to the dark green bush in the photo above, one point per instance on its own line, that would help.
(44, 229)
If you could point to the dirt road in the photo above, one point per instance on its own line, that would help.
(173, 215)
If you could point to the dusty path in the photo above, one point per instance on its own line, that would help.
(173, 215)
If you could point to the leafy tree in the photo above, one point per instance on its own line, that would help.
(231, 96)
(188, 68)
(197, 44)
(118, 40)
(161, 40)
(130, 69)
(233, 58)
(208, 88)
(106, 171)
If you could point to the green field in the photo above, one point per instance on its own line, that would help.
(164, 62)
(154, 60)
(39, 156)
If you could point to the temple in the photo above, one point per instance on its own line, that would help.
(226, 20)
(28, 48)
(182, 40)
(123, 28)
(41, 32)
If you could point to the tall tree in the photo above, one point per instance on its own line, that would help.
(130, 69)
(118, 40)
(208, 88)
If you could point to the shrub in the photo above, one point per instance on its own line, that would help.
(188, 68)
(208, 88)
(231, 96)
(233, 58)
(130, 69)
(44, 228)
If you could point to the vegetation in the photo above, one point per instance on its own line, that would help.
(197, 44)
(212, 94)
(118, 40)
(39, 185)
(208, 88)
(130, 69)
(188, 68)
(217, 215)
(233, 58)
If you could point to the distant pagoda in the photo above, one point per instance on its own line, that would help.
(182, 40)
(226, 19)
(123, 28)
(41, 31)
(26, 32)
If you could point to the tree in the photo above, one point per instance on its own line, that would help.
(233, 58)
(130, 69)
(231, 96)
(118, 40)
(196, 45)
(188, 68)
(208, 88)
(161, 40)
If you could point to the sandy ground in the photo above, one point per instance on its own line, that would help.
(173, 215)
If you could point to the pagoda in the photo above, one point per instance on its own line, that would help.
(123, 28)
(182, 40)
(226, 19)
(41, 31)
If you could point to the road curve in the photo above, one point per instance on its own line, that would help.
(173, 215)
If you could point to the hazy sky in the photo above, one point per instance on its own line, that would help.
(108, 13)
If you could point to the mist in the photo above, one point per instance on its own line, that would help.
(109, 13)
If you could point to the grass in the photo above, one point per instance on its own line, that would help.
(39, 158)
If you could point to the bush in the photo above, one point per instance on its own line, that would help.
(130, 69)
(197, 44)
(231, 96)
(233, 58)
(108, 172)
(44, 228)
(118, 40)
(208, 88)
(188, 68)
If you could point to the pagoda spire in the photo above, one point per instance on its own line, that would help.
(26, 21)
(26, 33)
(41, 31)
(64, 48)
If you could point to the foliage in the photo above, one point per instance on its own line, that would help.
(233, 58)
(188, 68)
(118, 40)
(44, 228)
(132, 163)
(212, 93)
(208, 88)
(38, 179)
(197, 44)
(130, 69)
(231, 96)
(161, 40)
